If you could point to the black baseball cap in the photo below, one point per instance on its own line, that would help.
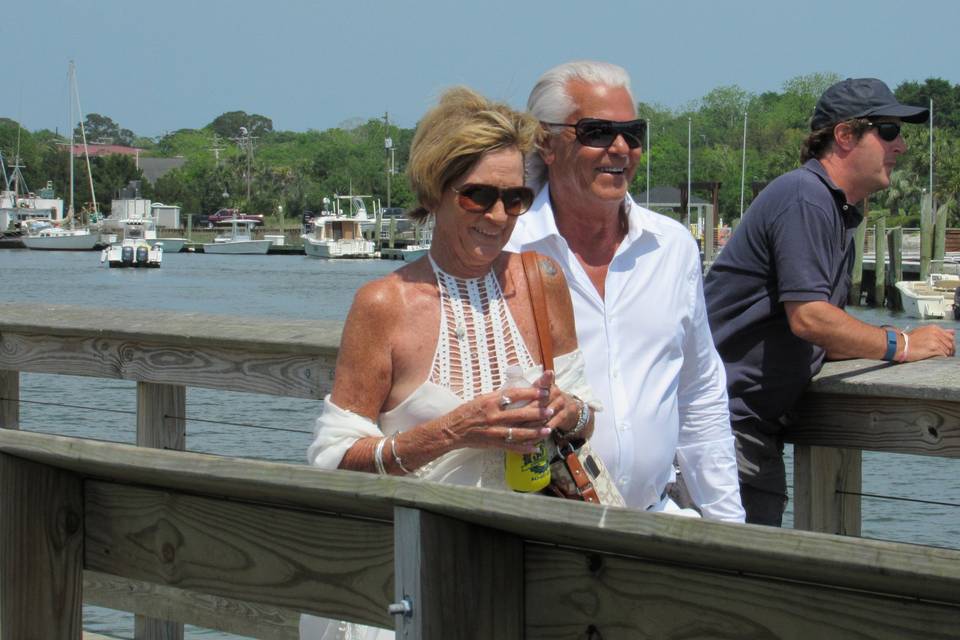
(860, 98)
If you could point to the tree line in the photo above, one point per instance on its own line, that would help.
(297, 170)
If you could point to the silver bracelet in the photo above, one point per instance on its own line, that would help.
(378, 457)
(396, 458)
(582, 419)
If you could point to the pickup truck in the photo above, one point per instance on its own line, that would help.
(225, 215)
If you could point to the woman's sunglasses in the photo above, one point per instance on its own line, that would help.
(594, 132)
(480, 198)
(886, 130)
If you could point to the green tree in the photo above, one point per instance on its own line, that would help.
(228, 125)
(99, 128)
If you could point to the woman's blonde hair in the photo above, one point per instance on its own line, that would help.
(453, 135)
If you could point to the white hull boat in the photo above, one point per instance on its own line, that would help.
(933, 298)
(414, 252)
(342, 248)
(134, 250)
(170, 245)
(237, 240)
(51, 238)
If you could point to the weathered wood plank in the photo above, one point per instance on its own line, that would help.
(288, 558)
(926, 427)
(896, 267)
(9, 399)
(175, 328)
(856, 277)
(880, 262)
(464, 581)
(568, 592)
(41, 543)
(160, 411)
(820, 475)
(190, 607)
(300, 375)
(933, 379)
(908, 570)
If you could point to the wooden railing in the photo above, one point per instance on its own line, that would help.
(244, 546)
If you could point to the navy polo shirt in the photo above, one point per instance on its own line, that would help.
(795, 243)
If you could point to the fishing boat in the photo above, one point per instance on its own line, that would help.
(134, 250)
(18, 203)
(339, 234)
(931, 298)
(422, 247)
(236, 238)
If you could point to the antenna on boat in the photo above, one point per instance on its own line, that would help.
(931, 152)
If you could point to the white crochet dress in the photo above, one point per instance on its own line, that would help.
(478, 340)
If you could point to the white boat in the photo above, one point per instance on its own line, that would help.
(133, 250)
(339, 234)
(45, 235)
(930, 298)
(416, 251)
(50, 236)
(170, 245)
(236, 238)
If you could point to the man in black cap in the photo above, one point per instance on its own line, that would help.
(776, 293)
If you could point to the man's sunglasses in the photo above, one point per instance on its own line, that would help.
(480, 198)
(886, 130)
(594, 132)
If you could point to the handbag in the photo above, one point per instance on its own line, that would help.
(576, 473)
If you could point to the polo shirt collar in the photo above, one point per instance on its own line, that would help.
(853, 214)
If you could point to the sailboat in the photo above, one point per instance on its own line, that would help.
(52, 236)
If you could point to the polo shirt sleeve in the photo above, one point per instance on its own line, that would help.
(803, 238)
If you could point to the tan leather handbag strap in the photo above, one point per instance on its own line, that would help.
(538, 300)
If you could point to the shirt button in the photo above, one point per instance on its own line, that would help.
(845, 207)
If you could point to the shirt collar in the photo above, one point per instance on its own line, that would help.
(540, 222)
(849, 210)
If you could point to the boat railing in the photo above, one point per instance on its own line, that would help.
(245, 546)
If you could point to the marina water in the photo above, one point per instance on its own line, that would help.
(279, 429)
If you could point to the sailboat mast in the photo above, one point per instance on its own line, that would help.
(71, 126)
(83, 134)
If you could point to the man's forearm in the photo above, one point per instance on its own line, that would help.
(841, 335)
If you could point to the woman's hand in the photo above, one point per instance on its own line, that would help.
(494, 421)
(565, 408)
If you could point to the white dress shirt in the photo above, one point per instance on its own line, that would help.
(650, 359)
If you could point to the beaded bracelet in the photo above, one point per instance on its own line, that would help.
(396, 458)
(378, 457)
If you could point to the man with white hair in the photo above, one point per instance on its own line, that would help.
(637, 293)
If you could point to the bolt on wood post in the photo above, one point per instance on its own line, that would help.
(462, 580)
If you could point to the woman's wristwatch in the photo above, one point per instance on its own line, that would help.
(583, 417)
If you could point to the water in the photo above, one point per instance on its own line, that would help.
(278, 429)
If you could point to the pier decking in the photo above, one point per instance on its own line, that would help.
(244, 546)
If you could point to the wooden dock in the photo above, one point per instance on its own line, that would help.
(245, 546)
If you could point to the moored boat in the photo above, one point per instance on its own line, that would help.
(930, 298)
(133, 250)
(338, 234)
(237, 239)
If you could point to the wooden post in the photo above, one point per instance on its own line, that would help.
(856, 278)
(160, 425)
(895, 240)
(880, 262)
(461, 580)
(939, 238)
(393, 232)
(160, 416)
(9, 399)
(819, 473)
(41, 551)
(926, 235)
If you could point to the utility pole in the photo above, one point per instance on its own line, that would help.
(216, 148)
(245, 142)
(388, 147)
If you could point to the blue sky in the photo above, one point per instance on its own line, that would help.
(160, 66)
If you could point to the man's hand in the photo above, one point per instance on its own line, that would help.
(930, 341)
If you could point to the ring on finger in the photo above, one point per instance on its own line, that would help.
(509, 437)
(505, 401)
